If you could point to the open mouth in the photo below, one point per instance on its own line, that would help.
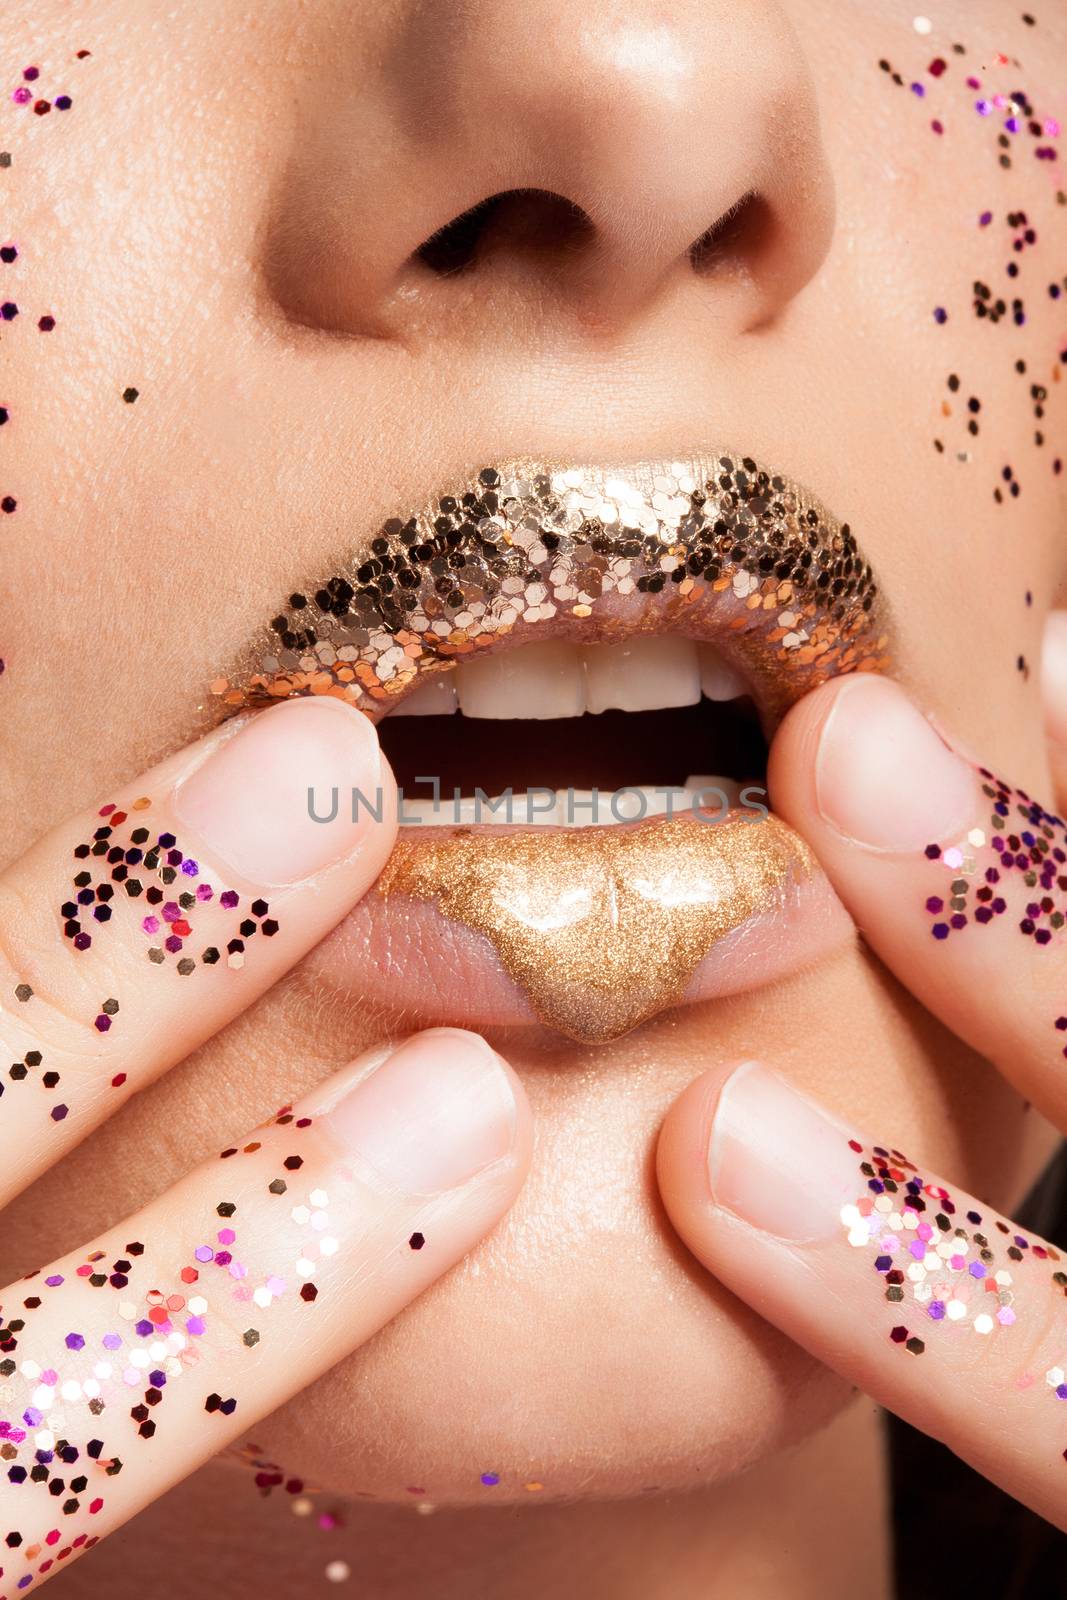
(578, 670)
(568, 735)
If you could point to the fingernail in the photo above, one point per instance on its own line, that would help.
(437, 1112)
(776, 1160)
(883, 777)
(247, 803)
(1054, 675)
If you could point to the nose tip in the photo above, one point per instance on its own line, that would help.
(583, 162)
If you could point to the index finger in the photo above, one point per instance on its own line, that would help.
(956, 878)
(919, 1293)
(131, 934)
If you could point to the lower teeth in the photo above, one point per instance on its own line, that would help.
(584, 808)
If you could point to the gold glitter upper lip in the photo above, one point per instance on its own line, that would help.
(716, 547)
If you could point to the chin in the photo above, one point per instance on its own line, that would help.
(575, 1355)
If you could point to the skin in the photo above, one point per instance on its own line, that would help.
(234, 246)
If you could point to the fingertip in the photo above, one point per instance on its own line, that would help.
(1054, 676)
(792, 758)
(441, 1108)
(682, 1152)
(864, 766)
(521, 1152)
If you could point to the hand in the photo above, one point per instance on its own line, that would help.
(919, 1293)
(127, 937)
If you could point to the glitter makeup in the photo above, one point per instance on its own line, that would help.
(602, 927)
(128, 859)
(937, 1264)
(64, 1397)
(719, 547)
(942, 1262)
(1015, 866)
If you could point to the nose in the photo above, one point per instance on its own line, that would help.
(553, 158)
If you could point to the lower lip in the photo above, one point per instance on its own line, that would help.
(587, 932)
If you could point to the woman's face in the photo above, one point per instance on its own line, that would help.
(227, 219)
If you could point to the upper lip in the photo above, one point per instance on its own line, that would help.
(767, 573)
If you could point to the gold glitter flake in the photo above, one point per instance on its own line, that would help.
(713, 548)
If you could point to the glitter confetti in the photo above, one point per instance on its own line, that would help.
(140, 864)
(526, 544)
(939, 1264)
(1016, 864)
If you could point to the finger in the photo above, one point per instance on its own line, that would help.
(126, 1365)
(130, 935)
(1054, 700)
(916, 1292)
(957, 880)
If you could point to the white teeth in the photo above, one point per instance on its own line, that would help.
(536, 682)
(718, 679)
(576, 808)
(435, 697)
(641, 675)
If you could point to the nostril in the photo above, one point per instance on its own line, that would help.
(739, 236)
(454, 247)
(531, 220)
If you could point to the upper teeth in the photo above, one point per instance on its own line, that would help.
(539, 681)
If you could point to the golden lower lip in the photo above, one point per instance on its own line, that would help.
(602, 928)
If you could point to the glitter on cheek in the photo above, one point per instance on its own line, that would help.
(1003, 117)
